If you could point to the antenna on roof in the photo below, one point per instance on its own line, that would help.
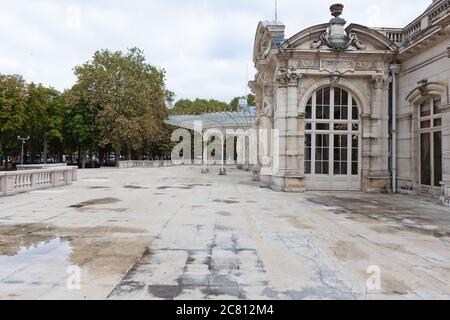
(276, 10)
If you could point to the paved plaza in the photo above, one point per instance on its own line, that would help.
(172, 233)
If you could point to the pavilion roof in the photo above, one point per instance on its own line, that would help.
(220, 120)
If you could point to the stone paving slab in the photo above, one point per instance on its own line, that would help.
(173, 233)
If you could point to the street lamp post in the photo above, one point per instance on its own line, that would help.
(24, 140)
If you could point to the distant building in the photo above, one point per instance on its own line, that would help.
(356, 108)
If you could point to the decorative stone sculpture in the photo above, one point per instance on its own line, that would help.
(354, 42)
(323, 41)
(267, 110)
(288, 77)
(335, 37)
(422, 85)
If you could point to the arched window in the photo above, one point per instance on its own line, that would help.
(430, 123)
(332, 140)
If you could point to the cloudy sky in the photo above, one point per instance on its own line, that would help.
(205, 45)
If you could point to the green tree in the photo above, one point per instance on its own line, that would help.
(44, 118)
(199, 106)
(250, 101)
(12, 113)
(123, 100)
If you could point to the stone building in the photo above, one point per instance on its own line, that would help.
(355, 108)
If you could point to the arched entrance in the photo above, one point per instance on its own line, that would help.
(332, 141)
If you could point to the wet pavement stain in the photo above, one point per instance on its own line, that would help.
(185, 186)
(174, 187)
(396, 216)
(226, 201)
(95, 202)
(348, 251)
(224, 214)
(98, 187)
(134, 187)
(94, 209)
(165, 292)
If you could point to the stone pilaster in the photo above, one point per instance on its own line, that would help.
(288, 176)
(376, 176)
(256, 169)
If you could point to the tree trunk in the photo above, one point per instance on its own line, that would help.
(128, 153)
(83, 161)
(102, 158)
(91, 159)
(45, 148)
(79, 155)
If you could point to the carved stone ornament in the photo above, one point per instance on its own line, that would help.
(335, 37)
(334, 80)
(267, 110)
(354, 42)
(378, 81)
(334, 66)
(288, 77)
(422, 85)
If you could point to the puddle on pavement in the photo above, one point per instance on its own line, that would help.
(28, 251)
(95, 202)
(98, 187)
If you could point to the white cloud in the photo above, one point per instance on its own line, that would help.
(203, 44)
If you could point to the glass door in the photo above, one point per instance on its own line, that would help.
(430, 137)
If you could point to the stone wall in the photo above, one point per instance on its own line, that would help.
(423, 76)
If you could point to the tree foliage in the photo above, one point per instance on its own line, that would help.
(12, 112)
(199, 106)
(119, 100)
(250, 101)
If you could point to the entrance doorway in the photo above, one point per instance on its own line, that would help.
(332, 141)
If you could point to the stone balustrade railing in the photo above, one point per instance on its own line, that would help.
(412, 31)
(440, 11)
(39, 166)
(12, 183)
(145, 164)
(446, 194)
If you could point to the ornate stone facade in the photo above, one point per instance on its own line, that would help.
(328, 96)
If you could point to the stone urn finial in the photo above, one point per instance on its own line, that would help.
(336, 9)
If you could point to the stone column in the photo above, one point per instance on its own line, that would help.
(265, 137)
(376, 176)
(240, 150)
(247, 153)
